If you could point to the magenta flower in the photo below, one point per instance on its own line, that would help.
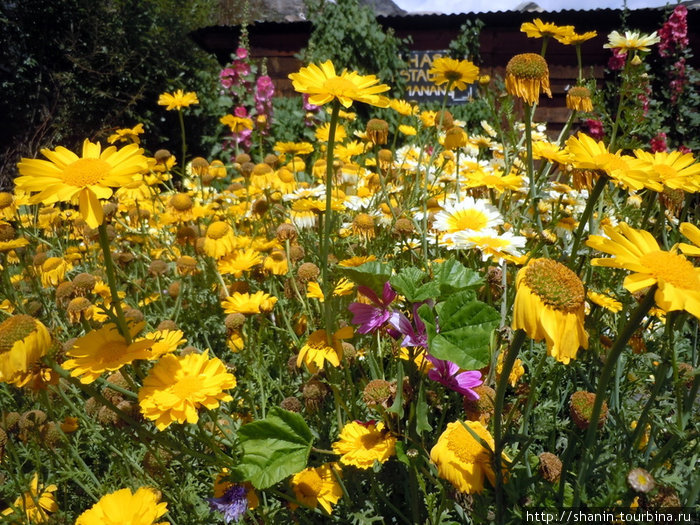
(242, 52)
(658, 143)
(447, 373)
(371, 317)
(595, 128)
(413, 335)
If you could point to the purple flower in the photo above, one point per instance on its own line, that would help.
(448, 374)
(371, 317)
(413, 336)
(232, 504)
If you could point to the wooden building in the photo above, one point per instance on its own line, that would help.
(501, 38)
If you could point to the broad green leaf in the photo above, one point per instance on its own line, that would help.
(372, 274)
(465, 327)
(452, 276)
(409, 283)
(274, 448)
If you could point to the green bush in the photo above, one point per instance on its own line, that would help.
(76, 68)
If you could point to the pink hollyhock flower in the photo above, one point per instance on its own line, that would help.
(447, 373)
(617, 60)
(674, 32)
(658, 143)
(240, 111)
(242, 52)
(264, 88)
(371, 317)
(595, 128)
(684, 149)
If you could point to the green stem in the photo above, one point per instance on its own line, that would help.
(518, 340)
(184, 143)
(531, 166)
(328, 220)
(610, 364)
(592, 198)
(112, 281)
(616, 123)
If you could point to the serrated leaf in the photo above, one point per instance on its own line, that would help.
(372, 274)
(409, 283)
(452, 276)
(465, 327)
(274, 448)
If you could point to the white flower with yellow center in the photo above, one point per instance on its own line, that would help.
(468, 217)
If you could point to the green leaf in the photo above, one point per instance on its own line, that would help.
(422, 423)
(397, 406)
(452, 276)
(465, 327)
(409, 283)
(372, 274)
(401, 454)
(274, 448)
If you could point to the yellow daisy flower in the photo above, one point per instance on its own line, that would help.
(65, 177)
(578, 98)
(165, 342)
(692, 232)
(219, 240)
(402, 107)
(24, 340)
(575, 39)
(407, 130)
(323, 133)
(127, 135)
(177, 100)
(236, 124)
(461, 459)
(105, 350)
(317, 350)
(361, 444)
(526, 75)
(323, 85)
(549, 304)
(177, 386)
(126, 508)
(456, 73)
(604, 301)
(516, 372)
(318, 486)
(539, 29)
(34, 505)
(245, 303)
(677, 279)
(674, 169)
(238, 262)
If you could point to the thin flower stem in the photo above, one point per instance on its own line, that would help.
(184, 142)
(531, 166)
(621, 103)
(592, 198)
(112, 281)
(508, 362)
(610, 364)
(328, 220)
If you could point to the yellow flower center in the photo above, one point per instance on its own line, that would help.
(181, 202)
(5, 199)
(15, 329)
(555, 285)
(339, 87)
(363, 221)
(310, 484)
(463, 445)
(78, 305)
(672, 268)
(665, 171)
(285, 175)
(187, 386)
(467, 220)
(217, 230)
(85, 172)
(528, 65)
(371, 440)
(580, 92)
(452, 75)
(51, 264)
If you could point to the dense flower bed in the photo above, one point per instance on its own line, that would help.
(413, 322)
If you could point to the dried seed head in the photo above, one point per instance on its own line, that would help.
(581, 408)
(292, 404)
(550, 467)
(308, 272)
